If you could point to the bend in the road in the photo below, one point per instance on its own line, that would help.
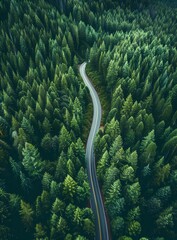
(96, 199)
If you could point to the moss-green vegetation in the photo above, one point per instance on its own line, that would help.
(136, 55)
(44, 192)
(45, 111)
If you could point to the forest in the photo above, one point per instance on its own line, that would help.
(46, 113)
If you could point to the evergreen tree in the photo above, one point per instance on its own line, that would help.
(26, 213)
(32, 161)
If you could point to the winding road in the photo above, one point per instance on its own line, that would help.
(96, 199)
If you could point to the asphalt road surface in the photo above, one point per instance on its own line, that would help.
(96, 199)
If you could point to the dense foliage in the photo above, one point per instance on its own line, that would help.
(135, 59)
(44, 191)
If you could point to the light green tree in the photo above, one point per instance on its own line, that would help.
(40, 232)
(134, 228)
(32, 161)
(64, 139)
(58, 206)
(69, 187)
(27, 215)
(78, 217)
(133, 193)
(62, 226)
(102, 165)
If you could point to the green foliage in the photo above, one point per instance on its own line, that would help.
(137, 70)
(125, 238)
(26, 213)
(132, 51)
(64, 139)
(42, 106)
(70, 187)
(165, 220)
(134, 228)
(101, 168)
(40, 232)
(118, 225)
(32, 161)
(133, 193)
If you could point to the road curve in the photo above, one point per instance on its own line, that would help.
(96, 200)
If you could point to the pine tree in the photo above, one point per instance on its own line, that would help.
(102, 165)
(133, 193)
(134, 228)
(61, 172)
(27, 214)
(64, 139)
(32, 161)
(69, 187)
(62, 226)
(118, 225)
(78, 217)
(148, 149)
(58, 207)
(40, 232)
